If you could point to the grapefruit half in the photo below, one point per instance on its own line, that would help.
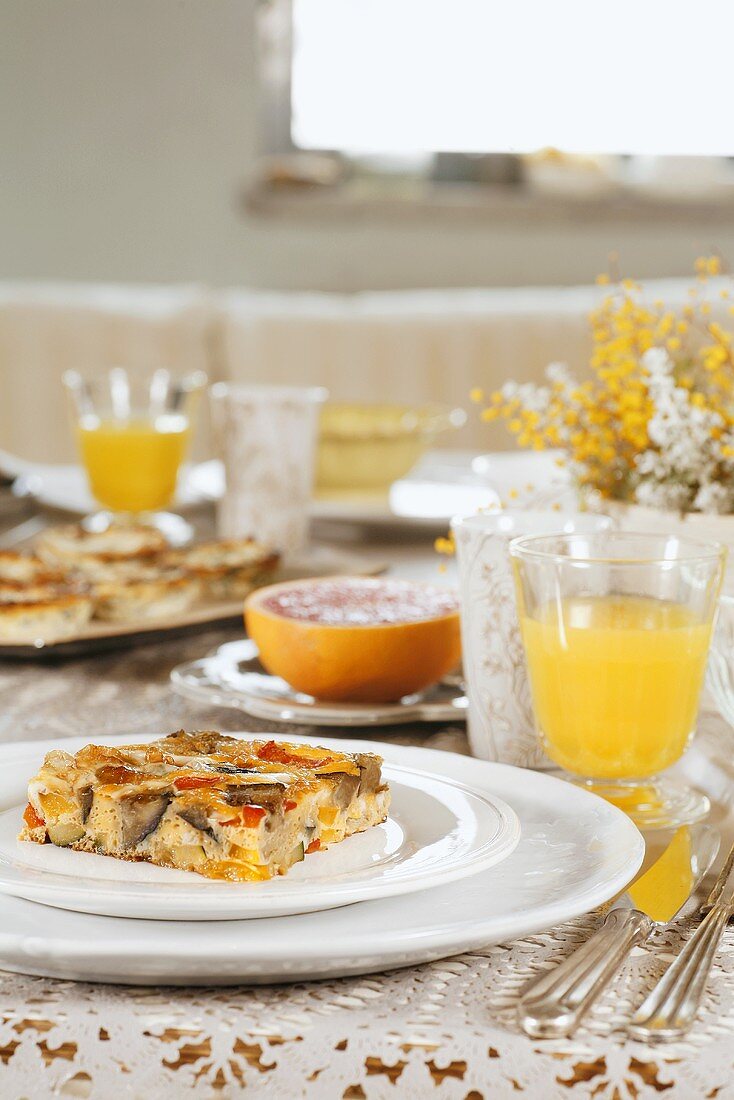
(355, 639)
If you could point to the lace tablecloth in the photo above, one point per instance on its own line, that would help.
(445, 1030)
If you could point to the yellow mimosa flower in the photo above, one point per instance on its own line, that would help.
(445, 545)
(602, 422)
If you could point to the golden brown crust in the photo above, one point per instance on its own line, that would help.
(73, 546)
(227, 568)
(19, 567)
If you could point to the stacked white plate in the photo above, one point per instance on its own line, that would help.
(472, 854)
(443, 483)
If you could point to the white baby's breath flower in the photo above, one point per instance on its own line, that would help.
(713, 498)
(664, 495)
(559, 373)
(688, 463)
(657, 361)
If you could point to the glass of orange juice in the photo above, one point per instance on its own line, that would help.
(616, 629)
(133, 432)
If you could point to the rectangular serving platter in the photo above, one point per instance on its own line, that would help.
(98, 636)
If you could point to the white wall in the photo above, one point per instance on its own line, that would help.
(127, 134)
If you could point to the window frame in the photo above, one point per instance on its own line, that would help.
(490, 185)
(274, 36)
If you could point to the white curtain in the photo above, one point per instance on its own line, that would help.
(401, 346)
(46, 328)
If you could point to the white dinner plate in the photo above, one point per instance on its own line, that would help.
(575, 852)
(66, 486)
(438, 831)
(440, 485)
(443, 483)
(232, 676)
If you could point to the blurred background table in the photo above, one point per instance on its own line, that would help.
(445, 1029)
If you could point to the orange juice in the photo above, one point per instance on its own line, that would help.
(666, 885)
(616, 682)
(133, 465)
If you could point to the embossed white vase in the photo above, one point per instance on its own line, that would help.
(266, 437)
(500, 717)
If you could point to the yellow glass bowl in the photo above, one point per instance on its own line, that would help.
(365, 448)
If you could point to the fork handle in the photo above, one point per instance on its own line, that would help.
(669, 1010)
(554, 1003)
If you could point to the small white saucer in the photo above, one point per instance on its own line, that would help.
(232, 676)
(438, 831)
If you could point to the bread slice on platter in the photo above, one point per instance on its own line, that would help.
(138, 592)
(29, 612)
(125, 574)
(227, 808)
(73, 547)
(19, 567)
(227, 569)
